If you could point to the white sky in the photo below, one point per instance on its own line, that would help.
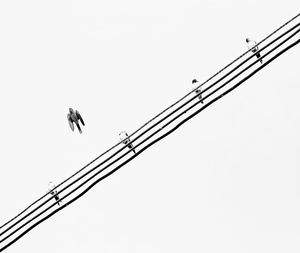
(225, 182)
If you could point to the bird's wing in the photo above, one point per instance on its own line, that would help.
(70, 122)
(79, 117)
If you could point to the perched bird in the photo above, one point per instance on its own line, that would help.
(252, 44)
(198, 90)
(54, 192)
(75, 117)
(125, 139)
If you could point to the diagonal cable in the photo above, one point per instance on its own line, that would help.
(148, 122)
(138, 136)
(218, 88)
(156, 140)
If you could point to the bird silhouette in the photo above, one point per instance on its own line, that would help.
(53, 192)
(198, 90)
(125, 139)
(75, 117)
(254, 48)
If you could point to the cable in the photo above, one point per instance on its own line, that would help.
(152, 127)
(148, 122)
(178, 116)
(235, 60)
(156, 140)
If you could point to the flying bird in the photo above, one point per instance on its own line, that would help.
(75, 117)
(125, 139)
(198, 90)
(252, 44)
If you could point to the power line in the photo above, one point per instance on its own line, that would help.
(167, 124)
(167, 116)
(212, 85)
(161, 121)
(159, 138)
(143, 133)
(148, 122)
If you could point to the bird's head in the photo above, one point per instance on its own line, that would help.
(51, 185)
(123, 135)
(71, 110)
(247, 40)
(194, 81)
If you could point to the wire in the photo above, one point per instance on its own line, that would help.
(148, 122)
(136, 138)
(156, 125)
(156, 140)
(184, 112)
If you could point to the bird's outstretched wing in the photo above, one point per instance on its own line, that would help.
(79, 117)
(70, 122)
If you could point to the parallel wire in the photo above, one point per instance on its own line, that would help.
(148, 122)
(156, 140)
(217, 73)
(160, 129)
(252, 55)
(135, 139)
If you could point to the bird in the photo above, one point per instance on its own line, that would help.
(75, 117)
(198, 90)
(254, 48)
(125, 139)
(54, 192)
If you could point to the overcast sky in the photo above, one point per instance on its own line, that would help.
(227, 181)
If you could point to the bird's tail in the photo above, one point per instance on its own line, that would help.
(131, 147)
(79, 129)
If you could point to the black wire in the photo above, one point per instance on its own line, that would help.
(113, 162)
(289, 21)
(143, 134)
(156, 140)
